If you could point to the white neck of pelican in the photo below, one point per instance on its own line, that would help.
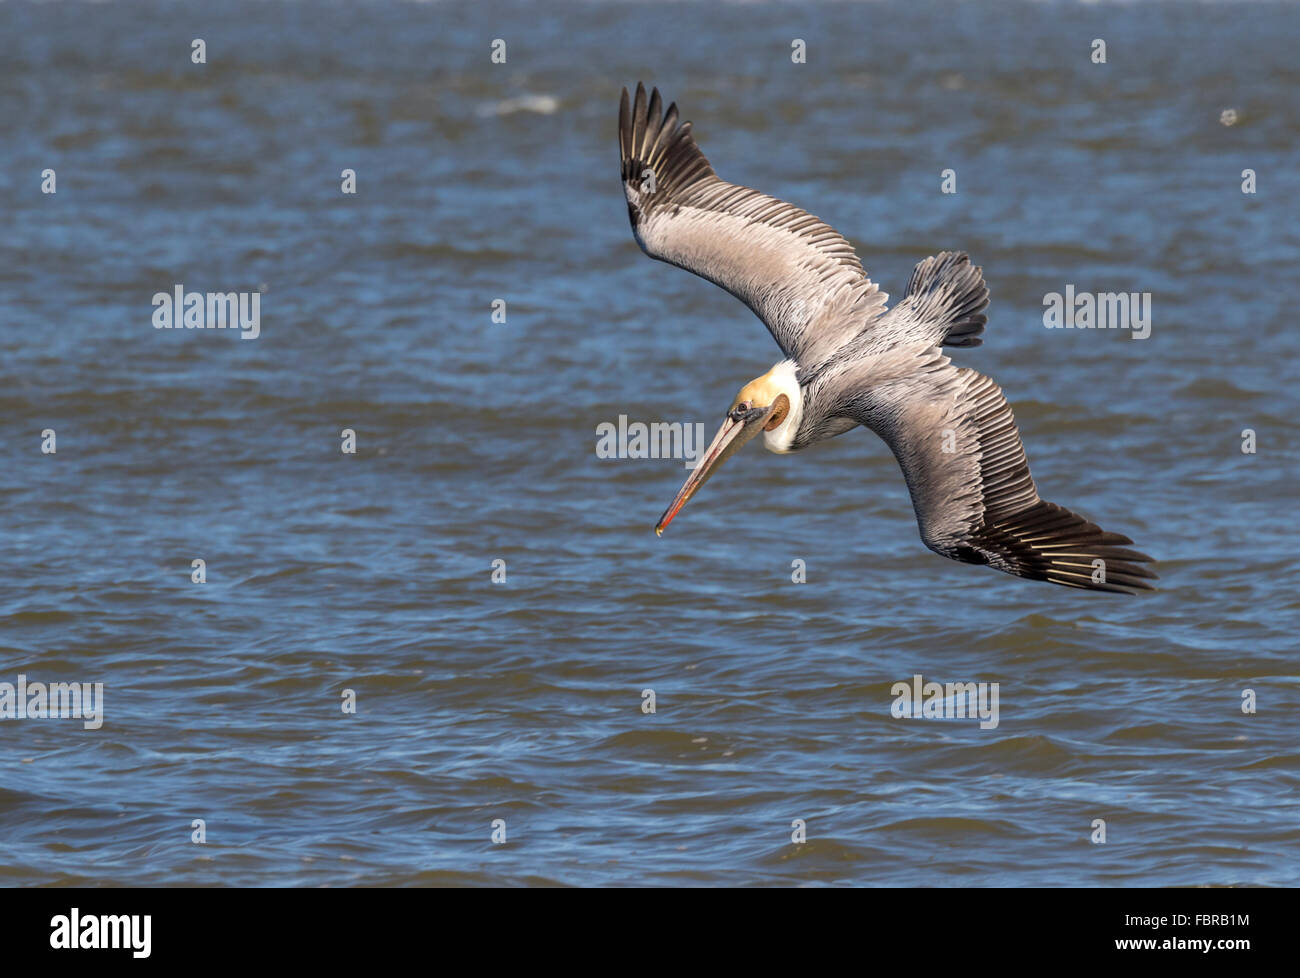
(784, 379)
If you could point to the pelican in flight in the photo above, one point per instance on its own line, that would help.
(850, 361)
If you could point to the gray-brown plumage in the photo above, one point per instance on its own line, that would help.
(851, 361)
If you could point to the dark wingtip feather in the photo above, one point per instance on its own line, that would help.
(651, 138)
(1047, 542)
(950, 292)
(624, 124)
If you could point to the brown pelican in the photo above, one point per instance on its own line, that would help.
(849, 361)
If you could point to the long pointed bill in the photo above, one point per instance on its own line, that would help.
(730, 437)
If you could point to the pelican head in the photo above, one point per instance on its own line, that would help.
(769, 404)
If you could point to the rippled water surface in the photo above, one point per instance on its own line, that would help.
(521, 701)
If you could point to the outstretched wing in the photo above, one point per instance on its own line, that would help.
(798, 275)
(956, 441)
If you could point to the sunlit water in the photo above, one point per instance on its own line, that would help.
(522, 700)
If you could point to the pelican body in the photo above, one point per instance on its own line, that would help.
(850, 360)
